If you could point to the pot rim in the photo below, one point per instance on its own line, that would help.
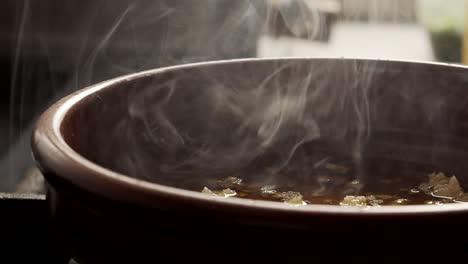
(54, 155)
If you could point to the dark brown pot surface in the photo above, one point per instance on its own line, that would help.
(114, 152)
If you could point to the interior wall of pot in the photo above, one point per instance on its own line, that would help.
(212, 120)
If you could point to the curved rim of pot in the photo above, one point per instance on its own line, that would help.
(56, 156)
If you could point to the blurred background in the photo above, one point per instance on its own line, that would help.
(50, 48)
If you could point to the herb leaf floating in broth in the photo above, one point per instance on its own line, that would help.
(268, 191)
(292, 198)
(225, 193)
(351, 200)
(440, 185)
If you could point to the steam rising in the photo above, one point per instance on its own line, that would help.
(280, 111)
(204, 123)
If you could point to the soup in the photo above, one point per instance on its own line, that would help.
(333, 181)
(439, 189)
